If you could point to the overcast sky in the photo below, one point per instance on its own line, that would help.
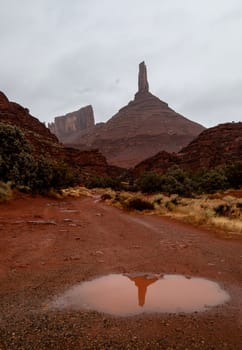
(59, 55)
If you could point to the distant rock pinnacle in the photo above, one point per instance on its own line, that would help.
(143, 81)
(139, 130)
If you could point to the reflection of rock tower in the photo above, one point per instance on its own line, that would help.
(142, 282)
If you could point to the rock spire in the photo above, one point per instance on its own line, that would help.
(143, 85)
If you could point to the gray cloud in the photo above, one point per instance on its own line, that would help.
(57, 56)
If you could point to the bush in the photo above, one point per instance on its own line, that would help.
(233, 173)
(149, 183)
(222, 210)
(178, 181)
(48, 174)
(139, 204)
(106, 196)
(175, 181)
(15, 154)
(212, 181)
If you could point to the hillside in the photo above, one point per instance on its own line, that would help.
(215, 146)
(46, 144)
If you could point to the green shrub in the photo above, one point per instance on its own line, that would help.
(15, 154)
(233, 173)
(175, 181)
(149, 183)
(48, 174)
(212, 181)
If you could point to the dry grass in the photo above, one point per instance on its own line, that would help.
(231, 225)
(5, 192)
(222, 211)
(77, 192)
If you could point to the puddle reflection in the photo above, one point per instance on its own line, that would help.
(142, 282)
(126, 295)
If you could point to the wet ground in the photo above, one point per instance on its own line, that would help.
(48, 246)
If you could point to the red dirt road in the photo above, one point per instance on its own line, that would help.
(47, 245)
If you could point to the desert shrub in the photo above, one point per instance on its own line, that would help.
(183, 183)
(210, 181)
(106, 196)
(233, 173)
(158, 200)
(103, 182)
(170, 206)
(175, 181)
(178, 181)
(5, 191)
(15, 154)
(222, 210)
(48, 174)
(149, 182)
(140, 204)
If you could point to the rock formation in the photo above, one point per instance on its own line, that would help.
(139, 130)
(215, 146)
(143, 85)
(13, 113)
(67, 126)
(46, 144)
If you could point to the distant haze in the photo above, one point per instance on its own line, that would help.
(58, 55)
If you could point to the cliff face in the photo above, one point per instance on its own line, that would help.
(139, 130)
(68, 126)
(46, 144)
(216, 146)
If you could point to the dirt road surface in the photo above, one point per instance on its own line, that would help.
(47, 245)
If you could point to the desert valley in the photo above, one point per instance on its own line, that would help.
(125, 234)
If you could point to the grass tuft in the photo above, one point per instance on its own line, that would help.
(5, 192)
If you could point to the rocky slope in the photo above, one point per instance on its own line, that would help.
(46, 144)
(139, 130)
(213, 147)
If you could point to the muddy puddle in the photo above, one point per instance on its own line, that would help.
(133, 294)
